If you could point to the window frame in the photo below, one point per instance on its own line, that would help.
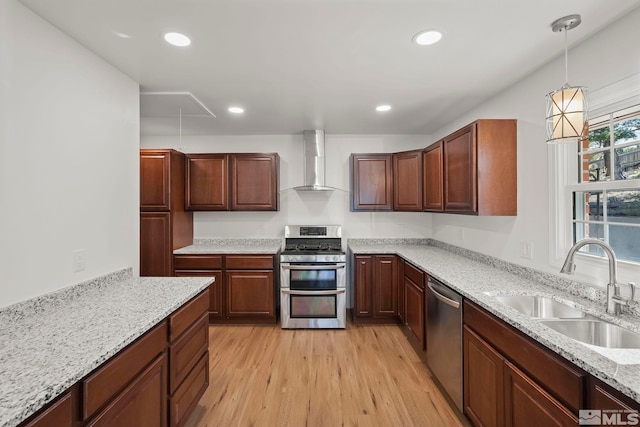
(563, 181)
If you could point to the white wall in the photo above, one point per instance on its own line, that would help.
(304, 207)
(605, 58)
(69, 135)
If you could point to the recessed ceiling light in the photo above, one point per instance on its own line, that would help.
(383, 108)
(236, 110)
(177, 39)
(427, 37)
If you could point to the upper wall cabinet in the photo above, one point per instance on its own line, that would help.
(371, 182)
(432, 185)
(254, 182)
(480, 169)
(207, 182)
(155, 180)
(237, 182)
(407, 181)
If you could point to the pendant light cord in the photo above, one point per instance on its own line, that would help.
(566, 58)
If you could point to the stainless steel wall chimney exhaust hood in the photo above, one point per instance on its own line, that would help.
(314, 162)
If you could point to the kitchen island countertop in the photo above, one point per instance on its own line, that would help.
(481, 278)
(231, 246)
(49, 343)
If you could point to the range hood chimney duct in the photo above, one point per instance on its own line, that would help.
(314, 162)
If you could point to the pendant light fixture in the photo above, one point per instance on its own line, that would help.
(567, 106)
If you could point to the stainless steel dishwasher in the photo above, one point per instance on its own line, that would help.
(444, 338)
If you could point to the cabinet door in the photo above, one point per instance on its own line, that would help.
(215, 289)
(362, 289)
(407, 181)
(400, 279)
(460, 171)
(432, 185)
(483, 382)
(527, 404)
(414, 310)
(371, 182)
(249, 294)
(254, 182)
(62, 413)
(603, 397)
(156, 257)
(143, 403)
(207, 184)
(155, 180)
(385, 286)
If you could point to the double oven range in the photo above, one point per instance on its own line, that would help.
(313, 278)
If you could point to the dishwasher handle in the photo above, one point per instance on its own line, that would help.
(439, 296)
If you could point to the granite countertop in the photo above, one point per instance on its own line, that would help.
(49, 343)
(481, 278)
(231, 246)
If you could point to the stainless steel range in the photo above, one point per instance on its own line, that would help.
(312, 277)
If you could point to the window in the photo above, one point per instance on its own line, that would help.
(606, 200)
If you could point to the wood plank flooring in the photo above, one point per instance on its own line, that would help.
(361, 376)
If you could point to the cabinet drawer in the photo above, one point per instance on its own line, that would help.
(563, 380)
(198, 262)
(249, 262)
(107, 381)
(182, 319)
(188, 394)
(186, 351)
(414, 274)
(143, 403)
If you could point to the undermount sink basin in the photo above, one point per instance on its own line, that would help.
(595, 332)
(541, 307)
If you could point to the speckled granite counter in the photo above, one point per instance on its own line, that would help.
(49, 343)
(480, 278)
(231, 246)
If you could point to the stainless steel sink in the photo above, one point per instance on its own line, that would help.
(541, 307)
(595, 332)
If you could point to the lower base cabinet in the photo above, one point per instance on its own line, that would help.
(414, 307)
(245, 286)
(154, 382)
(376, 289)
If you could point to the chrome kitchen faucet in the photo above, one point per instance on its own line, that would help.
(615, 302)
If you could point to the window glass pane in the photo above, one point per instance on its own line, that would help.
(599, 138)
(588, 206)
(589, 230)
(627, 162)
(625, 242)
(623, 206)
(598, 166)
(626, 130)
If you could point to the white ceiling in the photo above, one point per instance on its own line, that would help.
(324, 64)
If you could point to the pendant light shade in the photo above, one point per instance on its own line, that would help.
(567, 112)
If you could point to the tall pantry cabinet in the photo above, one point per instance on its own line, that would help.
(165, 225)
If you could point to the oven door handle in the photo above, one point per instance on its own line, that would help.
(312, 267)
(312, 293)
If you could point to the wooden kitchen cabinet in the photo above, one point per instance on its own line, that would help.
(432, 182)
(603, 397)
(207, 185)
(164, 223)
(414, 306)
(401, 310)
(371, 182)
(407, 181)
(376, 289)
(480, 169)
(538, 386)
(245, 285)
(254, 182)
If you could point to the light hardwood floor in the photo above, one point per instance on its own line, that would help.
(362, 376)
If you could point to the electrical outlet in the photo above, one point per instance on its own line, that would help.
(526, 250)
(79, 257)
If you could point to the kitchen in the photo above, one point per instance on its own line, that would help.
(81, 189)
